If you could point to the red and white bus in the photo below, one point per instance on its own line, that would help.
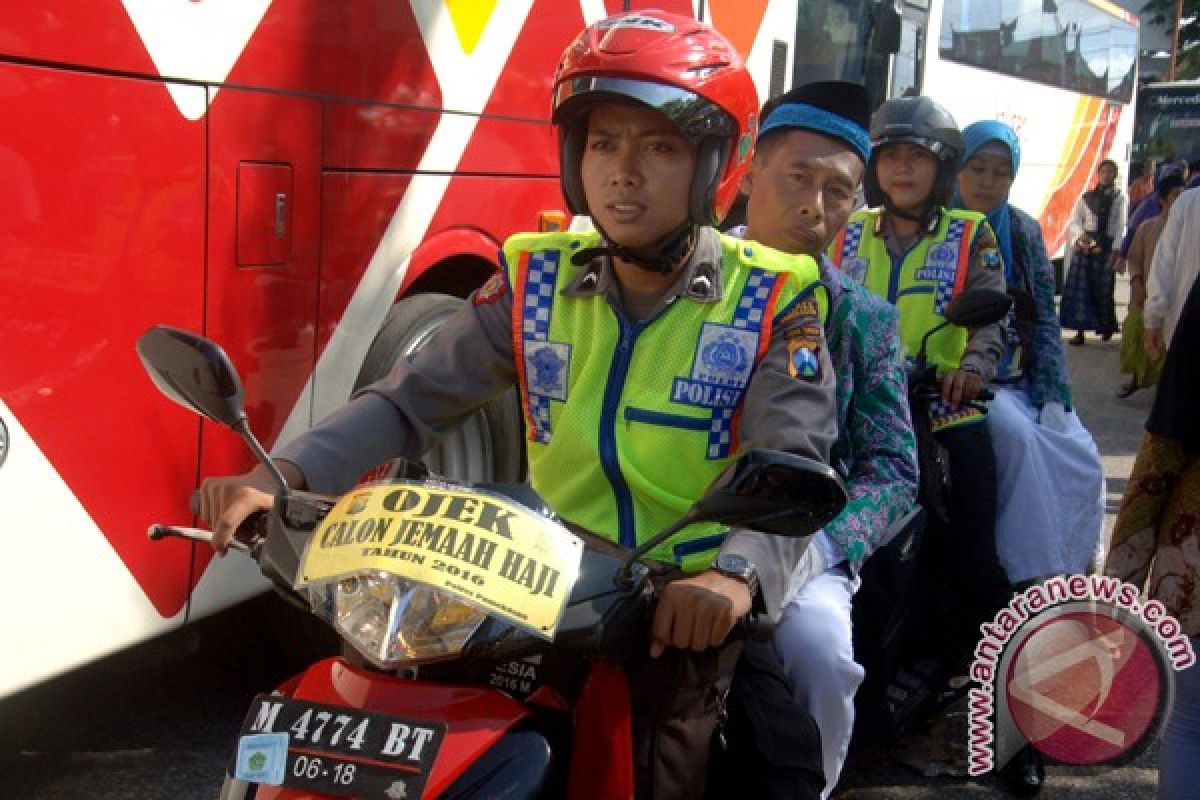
(297, 179)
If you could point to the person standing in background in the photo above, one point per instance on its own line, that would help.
(1142, 370)
(1097, 223)
(1143, 184)
(1156, 539)
(1148, 208)
(1172, 271)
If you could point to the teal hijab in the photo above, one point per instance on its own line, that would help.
(976, 135)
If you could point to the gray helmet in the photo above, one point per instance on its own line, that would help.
(919, 121)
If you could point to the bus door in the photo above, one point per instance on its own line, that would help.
(908, 63)
(264, 220)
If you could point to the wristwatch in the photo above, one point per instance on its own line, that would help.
(738, 568)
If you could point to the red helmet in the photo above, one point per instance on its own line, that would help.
(682, 68)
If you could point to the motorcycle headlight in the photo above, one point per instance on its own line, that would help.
(392, 620)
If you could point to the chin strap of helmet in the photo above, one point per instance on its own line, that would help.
(671, 250)
(926, 217)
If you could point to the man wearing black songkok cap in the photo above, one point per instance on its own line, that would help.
(803, 184)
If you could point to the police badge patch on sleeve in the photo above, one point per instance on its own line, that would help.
(804, 362)
(495, 288)
(989, 250)
(991, 258)
(804, 338)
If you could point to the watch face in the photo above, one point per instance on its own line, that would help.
(729, 562)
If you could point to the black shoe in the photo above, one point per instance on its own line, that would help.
(1024, 775)
(1078, 339)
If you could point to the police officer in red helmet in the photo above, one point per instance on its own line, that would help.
(648, 354)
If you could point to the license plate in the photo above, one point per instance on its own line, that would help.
(336, 750)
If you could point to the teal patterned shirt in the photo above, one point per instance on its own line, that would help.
(876, 448)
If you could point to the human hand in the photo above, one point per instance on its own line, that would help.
(698, 612)
(960, 386)
(1152, 342)
(1118, 265)
(226, 502)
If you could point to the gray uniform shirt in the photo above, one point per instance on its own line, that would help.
(469, 361)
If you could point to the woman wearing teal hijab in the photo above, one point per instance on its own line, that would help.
(1049, 480)
(1051, 484)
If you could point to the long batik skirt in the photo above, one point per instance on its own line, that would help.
(1087, 301)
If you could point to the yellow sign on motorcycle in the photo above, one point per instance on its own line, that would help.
(490, 551)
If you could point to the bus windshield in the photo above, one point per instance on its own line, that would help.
(1167, 126)
(834, 42)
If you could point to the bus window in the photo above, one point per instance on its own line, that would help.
(1071, 44)
(836, 39)
(1167, 126)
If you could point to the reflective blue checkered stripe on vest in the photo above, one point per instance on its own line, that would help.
(854, 232)
(540, 276)
(945, 287)
(747, 317)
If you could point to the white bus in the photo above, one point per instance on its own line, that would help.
(1061, 72)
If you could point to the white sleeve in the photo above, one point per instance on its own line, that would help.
(1075, 225)
(1160, 282)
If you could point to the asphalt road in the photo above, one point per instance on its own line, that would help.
(160, 721)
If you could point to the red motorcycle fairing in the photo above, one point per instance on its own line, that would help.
(476, 717)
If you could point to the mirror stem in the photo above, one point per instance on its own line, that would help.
(242, 426)
(921, 356)
(623, 574)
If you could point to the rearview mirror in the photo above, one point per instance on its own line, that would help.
(774, 492)
(976, 307)
(971, 309)
(767, 490)
(197, 374)
(193, 372)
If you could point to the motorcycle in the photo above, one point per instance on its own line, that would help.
(464, 610)
(902, 586)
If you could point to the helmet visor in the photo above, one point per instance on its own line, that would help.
(940, 149)
(696, 117)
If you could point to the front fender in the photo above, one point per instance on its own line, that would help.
(476, 717)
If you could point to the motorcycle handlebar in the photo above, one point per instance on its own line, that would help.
(250, 534)
(933, 394)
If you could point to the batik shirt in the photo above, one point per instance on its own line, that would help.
(1047, 370)
(876, 449)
